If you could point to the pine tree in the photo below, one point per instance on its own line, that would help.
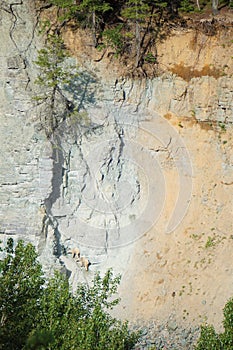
(69, 8)
(93, 11)
(136, 11)
(52, 76)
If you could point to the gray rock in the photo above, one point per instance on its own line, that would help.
(172, 325)
(16, 62)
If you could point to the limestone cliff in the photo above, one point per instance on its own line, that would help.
(143, 183)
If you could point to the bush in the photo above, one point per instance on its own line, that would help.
(210, 339)
(40, 314)
(186, 6)
(114, 38)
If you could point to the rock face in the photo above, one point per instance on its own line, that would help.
(20, 192)
(142, 182)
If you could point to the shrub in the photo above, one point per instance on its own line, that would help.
(210, 339)
(114, 38)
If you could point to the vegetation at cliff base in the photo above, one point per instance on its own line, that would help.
(210, 339)
(40, 313)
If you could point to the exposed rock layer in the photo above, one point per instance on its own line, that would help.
(151, 156)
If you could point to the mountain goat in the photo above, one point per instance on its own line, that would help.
(83, 262)
(75, 252)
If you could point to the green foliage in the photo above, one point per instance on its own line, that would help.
(150, 58)
(114, 38)
(44, 26)
(98, 6)
(210, 339)
(87, 13)
(135, 10)
(52, 77)
(227, 336)
(210, 242)
(161, 4)
(142, 22)
(92, 12)
(222, 126)
(186, 6)
(39, 314)
(50, 60)
(39, 340)
(63, 3)
(21, 281)
(69, 9)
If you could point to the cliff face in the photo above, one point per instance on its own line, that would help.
(142, 183)
(20, 193)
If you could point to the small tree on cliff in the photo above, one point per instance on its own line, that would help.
(136, 11)
(53, 75)
(93, 11)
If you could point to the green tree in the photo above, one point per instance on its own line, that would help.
(114, 38)
(69, 8)
(21, 281)
(186, 6)
(136, 11)
(39, 340)
(45, 314)
(57, 308)
(53, 75)
(93, 11)
(82, 320)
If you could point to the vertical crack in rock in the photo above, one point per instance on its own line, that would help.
(21, 53)
(120, 133)
(119, 164)
(16, 18)
(65, 173)
(111, 171)
(86, 173)
(49, 220)
(14, 21)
